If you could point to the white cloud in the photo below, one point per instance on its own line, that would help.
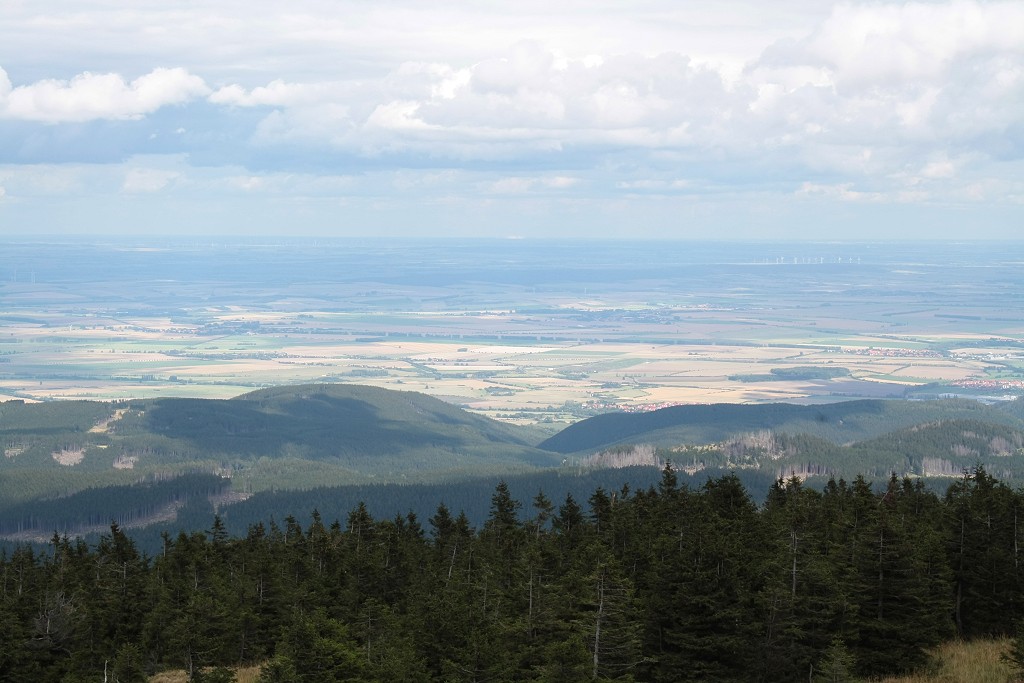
(655, 185)
(522, 185)
(560, 182)
(292, 184)
(249, 183)
(869, 76)
(873, 45)
(396, 116)
(275, 94)
(865, 102)
(526, 64)
(940, 168)
(843, 192)
(90, 96)
(145, 180)
(925, 71)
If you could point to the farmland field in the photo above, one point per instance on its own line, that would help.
(526, 331)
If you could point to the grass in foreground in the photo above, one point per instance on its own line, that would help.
(965, 662)
(955, 662)
(249, 674)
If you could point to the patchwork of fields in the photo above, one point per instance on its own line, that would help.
(528, 332)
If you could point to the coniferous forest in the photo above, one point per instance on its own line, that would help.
(669, 583)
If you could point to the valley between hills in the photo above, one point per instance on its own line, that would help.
(73, 466)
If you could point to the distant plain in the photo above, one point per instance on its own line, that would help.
(525, 331)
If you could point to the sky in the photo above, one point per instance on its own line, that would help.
(677, 119)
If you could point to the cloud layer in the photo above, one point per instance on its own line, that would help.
(918, 104)
(90, 96)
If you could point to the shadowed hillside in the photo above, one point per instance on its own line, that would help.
(75, 466)
(333, 421)
(842, 422)
(293, 437)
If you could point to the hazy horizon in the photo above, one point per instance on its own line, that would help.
(257, 239)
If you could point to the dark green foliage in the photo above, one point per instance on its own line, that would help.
(96, 506)
(20, 418)
(983, 540)
(970, 438)
(280, 669)
(1015, 656)
(127, 666)
(309, 433)
(1014, 407)
(663, 583)
(796, 373)
(710, 619)
(840, 422)
(329, 421)
(219, 674)
(471, 496)
(319, 649)
(836, 664)
(900, 589)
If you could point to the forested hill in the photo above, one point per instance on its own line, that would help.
(290, 437)
(667, 583)
(74, 466)
(333, 421)
(840, 423)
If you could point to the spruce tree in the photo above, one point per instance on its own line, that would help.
(127, 665)
(836, 664)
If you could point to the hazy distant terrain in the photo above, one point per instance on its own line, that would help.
(525, 331)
